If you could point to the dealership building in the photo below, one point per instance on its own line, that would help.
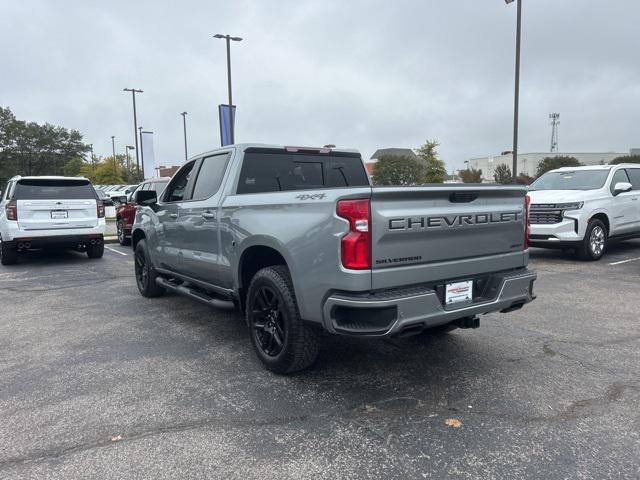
(528, 162)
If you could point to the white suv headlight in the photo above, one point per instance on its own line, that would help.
(569, 206)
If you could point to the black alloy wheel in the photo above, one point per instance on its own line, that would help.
(268, 321)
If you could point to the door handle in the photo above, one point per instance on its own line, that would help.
(173, 215)
(208, 215)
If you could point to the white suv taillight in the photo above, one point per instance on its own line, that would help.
(527, 223)
(12, 210)
(100, 208)
(356, 245)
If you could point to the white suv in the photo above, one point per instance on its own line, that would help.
(38, 212)
(585, 207)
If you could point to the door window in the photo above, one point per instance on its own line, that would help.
(619, 176)
(177, 189)
(634, 175)
(210, 176)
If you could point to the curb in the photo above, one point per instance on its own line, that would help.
(109, 240)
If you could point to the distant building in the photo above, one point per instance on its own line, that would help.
(167, 171)
(528, 162)
(400, 152)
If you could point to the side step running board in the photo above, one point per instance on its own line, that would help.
(195, 294)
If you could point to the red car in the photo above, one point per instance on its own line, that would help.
(126, 212)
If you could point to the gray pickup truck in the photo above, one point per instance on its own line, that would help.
(300, 242)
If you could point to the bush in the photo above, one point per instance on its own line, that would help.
(502, 174)
(625, 159)
(551, 163)
(524, 179)
(398, 170)
(471, 175)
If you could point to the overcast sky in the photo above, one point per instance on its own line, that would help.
(360, 74)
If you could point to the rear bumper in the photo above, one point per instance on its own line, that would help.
(411, 309)
(11, 231)
(58, 241)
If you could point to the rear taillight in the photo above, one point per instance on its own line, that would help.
(100, 208)
(527, 224)
(12, 210)
(356, 245)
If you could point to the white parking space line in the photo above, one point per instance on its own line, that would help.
(625, 261)
(117, 251)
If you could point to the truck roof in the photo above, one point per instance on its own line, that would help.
(243, 146)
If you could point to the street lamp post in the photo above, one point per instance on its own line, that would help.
(229, 39)
(516, 97)
(135, 120)
(184, 126)
(141, 154)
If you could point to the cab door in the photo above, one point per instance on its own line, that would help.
(199, 220)
(168, 232)
(625, 207)
(634, 177)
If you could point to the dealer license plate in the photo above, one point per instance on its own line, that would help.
(459, 292)
(58, 214)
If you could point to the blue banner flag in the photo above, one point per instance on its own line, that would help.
(225, 130)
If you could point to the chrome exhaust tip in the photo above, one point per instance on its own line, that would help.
(27, 245)
(20, 245)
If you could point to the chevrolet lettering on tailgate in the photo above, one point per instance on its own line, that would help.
(446, 221)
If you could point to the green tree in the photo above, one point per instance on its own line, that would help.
(625, 159)
(471, 175)
(434, 169)
(397, 170)
(72, 167)
(551, 163)
(29, 148)
(502, 174)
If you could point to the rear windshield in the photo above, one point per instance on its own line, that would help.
(578, 180)
(54, 190)
(279, 170)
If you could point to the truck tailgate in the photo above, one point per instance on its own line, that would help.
(433, 233)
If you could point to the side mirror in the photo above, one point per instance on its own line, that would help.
(145, 197)
(621, 187)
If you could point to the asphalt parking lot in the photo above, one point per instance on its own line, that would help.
(98, 382)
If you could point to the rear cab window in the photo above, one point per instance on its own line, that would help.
(273, 170)
(52, 189)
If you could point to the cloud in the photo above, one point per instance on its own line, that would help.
(362, 74)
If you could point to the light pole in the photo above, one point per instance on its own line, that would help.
(184, 126)
(135, 120)
(516, 96)
(113, 148)
(229, 39)
(141, 153)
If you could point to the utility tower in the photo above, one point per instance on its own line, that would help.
(555, 121)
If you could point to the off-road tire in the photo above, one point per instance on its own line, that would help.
(148, 286)
(301, 341)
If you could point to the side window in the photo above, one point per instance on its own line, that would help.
(619, 176)
(634, 175)
(177, 189)
(210, 176)
(145, 186)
